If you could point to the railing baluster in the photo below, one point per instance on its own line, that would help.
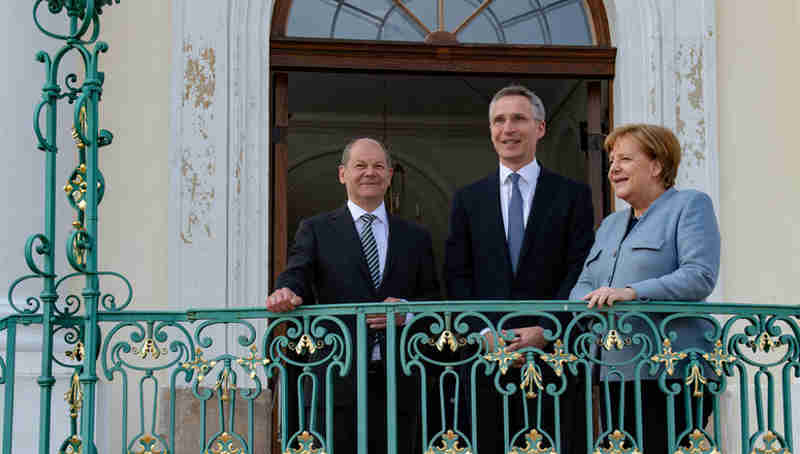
(391, 381)
(8, 401)
(361, 383)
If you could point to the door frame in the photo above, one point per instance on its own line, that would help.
(402, 58)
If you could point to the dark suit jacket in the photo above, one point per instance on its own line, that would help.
(558, 236)
(326, 266)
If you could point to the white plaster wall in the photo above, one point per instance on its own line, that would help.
(758, 100)
(759, 162)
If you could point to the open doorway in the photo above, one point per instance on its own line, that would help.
(436, 128)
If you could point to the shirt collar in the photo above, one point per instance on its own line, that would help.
(529, 172)
(356, 211)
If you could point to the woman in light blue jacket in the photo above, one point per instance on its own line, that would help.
(665, 247)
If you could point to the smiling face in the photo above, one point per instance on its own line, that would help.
(366, 175)
(635, 176)
(515, 131)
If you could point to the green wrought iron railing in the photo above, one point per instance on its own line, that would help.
(174, 359)
(754, 348)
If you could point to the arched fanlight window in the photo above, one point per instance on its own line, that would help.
(545, 22)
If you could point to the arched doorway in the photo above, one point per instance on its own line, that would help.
(344, 68)
(561, 46)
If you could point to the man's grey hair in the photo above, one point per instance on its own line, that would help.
(349, 146)
(537, 107)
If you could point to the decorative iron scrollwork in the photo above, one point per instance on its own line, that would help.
(533, 445)
(449, 445)
(225, 445)
(698, 444)
(764, 343)
(199, 365)
(719, 357)
(77, 353)
(617, 445)
(697, 379)
(503, 356)
(149, 446)
(770, 440)
(252, 361)
(306, 343)
(306, 442)
(74, 396)
(558, 357)
(613, 341)
(668, 357)
(149, 348)
(531, 379)
(448, 339)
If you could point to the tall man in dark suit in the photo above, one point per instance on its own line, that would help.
(360, 253)
(521, 233)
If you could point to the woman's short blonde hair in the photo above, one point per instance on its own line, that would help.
(655, 141)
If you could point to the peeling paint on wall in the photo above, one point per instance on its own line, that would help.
(197, 171)
(690, 125)
(200, 81)
(198, 156)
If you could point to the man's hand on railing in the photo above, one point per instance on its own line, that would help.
(378, 321)
(283, 300)
(529, 336)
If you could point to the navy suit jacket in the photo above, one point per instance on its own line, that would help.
(558, 235)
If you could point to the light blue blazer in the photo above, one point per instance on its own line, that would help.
(671, 254)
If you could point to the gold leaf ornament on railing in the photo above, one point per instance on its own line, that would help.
(199, 365)
(503, 356)
(771, 445)
(448, 339)
(148, 348)
(449, 445)
(74, 396)
(252, 361)
(225, 445)
(531, 379)
(698, 444)
(558, 357)
(533, 445)
(617, 445)
(719, 357)
(306, 344)
(306, 445)
(149, 446)
(668, 357)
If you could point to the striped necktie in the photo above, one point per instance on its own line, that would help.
(370, 248)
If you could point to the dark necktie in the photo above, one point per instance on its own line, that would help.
(516, 228)
(370, 248)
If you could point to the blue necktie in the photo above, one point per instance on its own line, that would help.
(370, 248)
(516, 229)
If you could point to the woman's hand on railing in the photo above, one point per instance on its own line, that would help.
(283, 300)
(608, 296)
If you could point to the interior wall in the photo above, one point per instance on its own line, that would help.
(758, 101)
(439, 154)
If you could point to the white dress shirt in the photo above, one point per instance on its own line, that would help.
(380, 228)
(528, 175)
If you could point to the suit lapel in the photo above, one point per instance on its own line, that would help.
(494, 218)
(543, 199)
(342, 222)
(393, 237)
